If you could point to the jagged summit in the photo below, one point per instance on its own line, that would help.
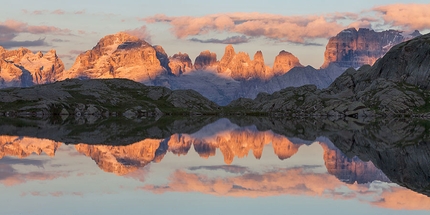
(204, 60)
(180, 63)
(119, 56)
(396, 85)
(284, 62)
(354, 48)
(23, 68)
(235, 75)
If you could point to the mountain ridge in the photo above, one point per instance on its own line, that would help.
(234, 76)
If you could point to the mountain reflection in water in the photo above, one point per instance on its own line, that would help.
(402, 156)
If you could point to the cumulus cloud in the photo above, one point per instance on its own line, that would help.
(228, 40)
(11, 29)
(39, 12)
(80, 12)
(291, 181)
(410, 16)
(26, 43)
(44, 12)
(10, 176)
(296, 29)
(141, 33)
(294, 181)
(58, 12)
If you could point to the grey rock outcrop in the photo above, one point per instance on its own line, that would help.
(97, 96)
(396, 84)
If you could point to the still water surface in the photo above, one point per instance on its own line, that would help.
(220, 168)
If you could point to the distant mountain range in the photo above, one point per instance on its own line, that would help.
(235, 75)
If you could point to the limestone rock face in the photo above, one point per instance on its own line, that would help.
(260, 68)
(284, 62)
(23, 68)
(162, 57)
(204, 60)
(352, 48)
(121, 159)
(226, 59)
(233, 143)
(180, 63)
(396, 84)
(239, 66)
(120, 56)
(25, 146)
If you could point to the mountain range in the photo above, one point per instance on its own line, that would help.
(234, 76)
(221, 136)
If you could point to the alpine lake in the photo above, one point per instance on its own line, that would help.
(214, 165)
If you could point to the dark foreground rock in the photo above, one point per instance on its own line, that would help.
(101, 97)
(107, 131)
(397, 84)
(400, 147)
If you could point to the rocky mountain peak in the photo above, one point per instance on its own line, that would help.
(180, 63)
(284, 62)
(258, 56)
(25, 146)
(354, 48)
(240, 66)
(117, 39)
(120, 55)
(22, 68)
(229, 54)
(407, 62)
(204, 60)
(416, 33)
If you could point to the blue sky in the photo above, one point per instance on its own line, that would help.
(300, 27)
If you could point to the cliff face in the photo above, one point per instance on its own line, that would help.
(350, 170)
(120, 56)
(180, 63)
(23, 68)
(240, 67)
(284, 62)
(25, 146)
(121, 159)
(352, 48)
(204, 60)
(396, 85)
(234, 143)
